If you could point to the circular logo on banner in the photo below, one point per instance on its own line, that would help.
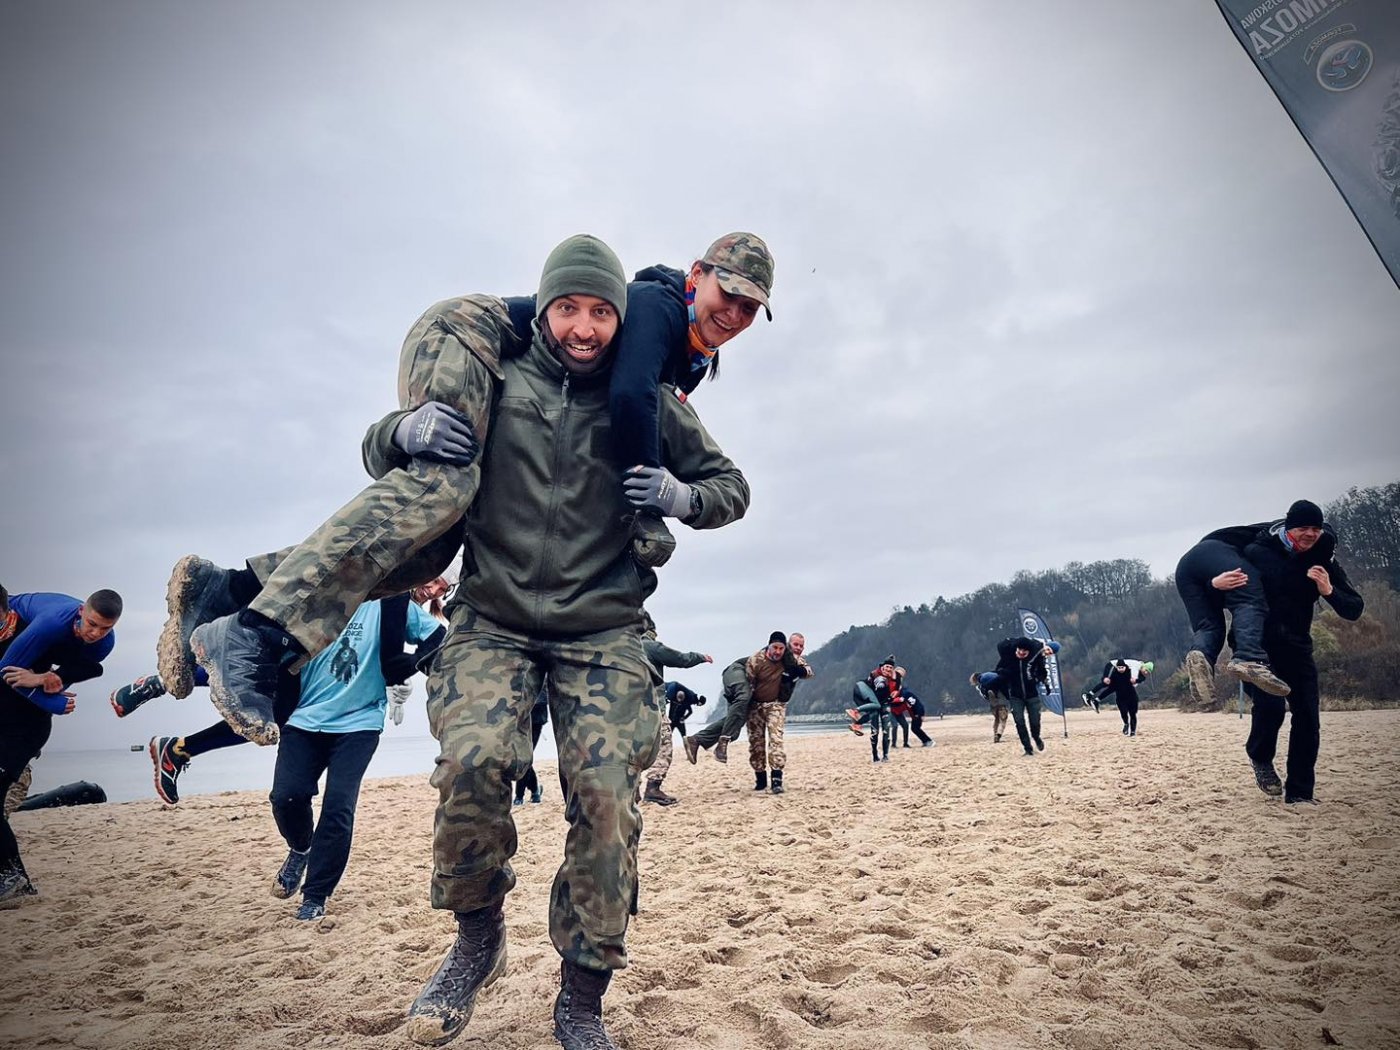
(1029, 625)
(1344, 65)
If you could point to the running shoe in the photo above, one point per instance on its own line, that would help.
(168, 765)
(291, 873)
(129, 697)
(311, 910)
(1266, 778)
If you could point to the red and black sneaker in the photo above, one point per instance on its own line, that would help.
(168, 765)
(129, 697)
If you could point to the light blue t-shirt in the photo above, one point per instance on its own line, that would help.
(342, 689)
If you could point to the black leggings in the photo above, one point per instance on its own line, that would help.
(1128, 709)
(24, 730)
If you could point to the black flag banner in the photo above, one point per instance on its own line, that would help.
(1335, 66)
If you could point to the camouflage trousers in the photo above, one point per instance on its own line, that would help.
(19, 790)
(312, 590)
(1000, 713)
(766, 725)
(737, 696)
(662, 765)
(603, 705)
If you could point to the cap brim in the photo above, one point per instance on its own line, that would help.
(732, 283)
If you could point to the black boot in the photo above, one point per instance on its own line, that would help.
(578, 1009)
(777, 781)
(760, 780)
(243, 655)
(477, 957)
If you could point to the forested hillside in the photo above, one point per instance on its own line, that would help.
(1111, 608)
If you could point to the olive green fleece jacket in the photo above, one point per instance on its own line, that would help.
(548, 537)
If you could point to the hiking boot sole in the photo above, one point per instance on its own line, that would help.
(1200, 675)
(175, 658)
(265, 734)
(1259, 676)
(430, 1028)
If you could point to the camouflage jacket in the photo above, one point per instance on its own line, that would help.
(662, 655)
(765, 676)
(548, 537)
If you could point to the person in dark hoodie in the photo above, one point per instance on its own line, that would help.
(1296, 565)
(1211, 577)
(1120, 681)
(405, 528)
(1021, 671)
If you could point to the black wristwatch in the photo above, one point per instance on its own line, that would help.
(695, 506)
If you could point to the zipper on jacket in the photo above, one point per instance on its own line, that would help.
(553, 502)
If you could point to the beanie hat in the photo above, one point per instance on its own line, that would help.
(777, 636)
(1303, 514)
(1147, 666)
(583, 265)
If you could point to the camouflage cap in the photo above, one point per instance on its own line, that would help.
(744, 266)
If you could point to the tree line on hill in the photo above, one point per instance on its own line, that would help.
(1106, 609)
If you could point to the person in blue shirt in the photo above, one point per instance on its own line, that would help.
(48, 642)
(171, 755)
(335, 731)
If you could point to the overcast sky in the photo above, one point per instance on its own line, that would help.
(1053, 281)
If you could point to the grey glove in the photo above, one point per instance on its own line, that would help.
(656, 488)
(397, 695)
(438, 432)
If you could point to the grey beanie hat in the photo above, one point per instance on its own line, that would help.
(583, 265)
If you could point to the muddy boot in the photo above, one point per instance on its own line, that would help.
(198, 592)
(722, 749)
(477, 957)
(653, 793)
(777, 782)
(692, 749)
(1200, 676)
(760, 780)
(652, 542)
(578, 1009)
(243, 654)
(1259, 675)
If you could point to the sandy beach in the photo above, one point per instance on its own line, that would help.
(1110, 893)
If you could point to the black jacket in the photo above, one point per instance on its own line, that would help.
(1120, 682)
(1021, 676)
(396, 665)
(1292, 596)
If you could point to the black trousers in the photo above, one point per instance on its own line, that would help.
(1024, 711)
(736, 714)
(1304, 734)
(530, 781)
(900, 722)
(24, 730)
(1205, 606)
(1128, 708)
(916, 723)
(301, 759)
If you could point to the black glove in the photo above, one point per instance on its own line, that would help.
(438, 432)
